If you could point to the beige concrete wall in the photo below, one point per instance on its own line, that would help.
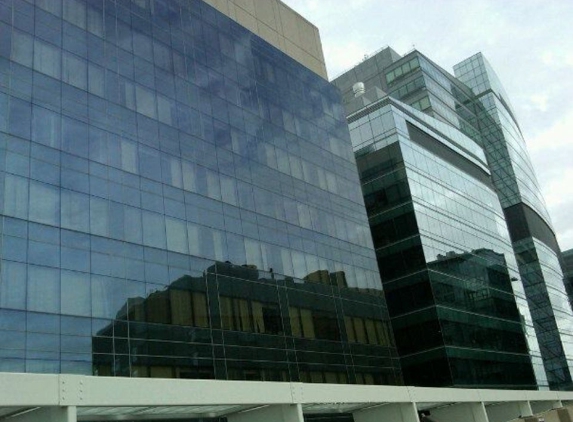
(279, 25)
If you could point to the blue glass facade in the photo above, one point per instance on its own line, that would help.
(179, 199)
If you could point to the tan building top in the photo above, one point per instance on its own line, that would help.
(280, 26)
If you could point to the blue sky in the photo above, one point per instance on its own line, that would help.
(529, 43)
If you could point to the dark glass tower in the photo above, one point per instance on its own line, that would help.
(473, 103)
(179, 199)
(443, 249)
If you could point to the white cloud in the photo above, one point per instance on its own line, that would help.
(539, 101)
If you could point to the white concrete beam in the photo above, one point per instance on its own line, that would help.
(460, 412)
(276, 413)
(395, 412)
(28, 390)
(47, 414)
(503, 412)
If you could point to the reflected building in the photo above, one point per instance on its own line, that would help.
(457, 151)
(180, 198)
(170, 331)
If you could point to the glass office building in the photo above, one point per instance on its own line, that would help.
(179, 198)
(529, 223)
(448, 269)
(474, 104)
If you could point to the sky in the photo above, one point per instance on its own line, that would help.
(529, 43)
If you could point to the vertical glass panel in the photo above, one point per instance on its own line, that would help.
(95, 22)
(226, 305)
(22, 48)
(153, 230)
(96, 80)
(47, 59)
(349, 329)
(46, 127)
(220, 245)
(145, 100)
(52, 6)
(74, 71)
(360, 330)
(307, 323)
(107, 296)
(43, 289)
(75, 12)
(200, 315)
(129, 156)
(371, 331)
(15, 196)
(228, 190)
(189, 179)
(44, 203)
(299, 264)
(98, 145)
(213, 187)
(294, 314)
(99, 216)
(242, 309)
(75, 211)
(236, 248)
(76, 293)
(258, 319)
(132, 225)
(176, 235)
(382, 332)
(253, 252)
(181, 312)
(194, 239)
(13, 285)
(165, 110)
(171, 170)
(20, 118)
(149, 163)
(75, 137)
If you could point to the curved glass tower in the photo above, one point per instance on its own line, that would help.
(178, 198)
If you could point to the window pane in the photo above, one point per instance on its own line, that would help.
(44, 203)
(176, 235)
(75, 211)
(46, 127)
(181, 307)
(22, 48)
(16, 196)
(153, 230)
(47, 59)
(43, 289)
(76, 293)
(13, 285)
